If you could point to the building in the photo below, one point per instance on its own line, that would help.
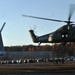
(29, 55)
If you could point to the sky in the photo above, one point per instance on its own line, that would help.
(16, 30)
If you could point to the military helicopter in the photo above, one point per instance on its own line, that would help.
(62, 35)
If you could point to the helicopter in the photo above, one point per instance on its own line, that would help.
(62, 35)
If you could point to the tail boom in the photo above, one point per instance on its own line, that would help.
(34, 38)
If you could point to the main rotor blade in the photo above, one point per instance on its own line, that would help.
(71, 11)
(3, 26)
(43, 18)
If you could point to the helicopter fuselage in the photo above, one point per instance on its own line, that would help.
(63, 34)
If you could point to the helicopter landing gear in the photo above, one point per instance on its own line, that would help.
(63, 43)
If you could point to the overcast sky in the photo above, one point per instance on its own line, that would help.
(16, 30)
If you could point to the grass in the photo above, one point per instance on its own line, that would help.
(28, 69)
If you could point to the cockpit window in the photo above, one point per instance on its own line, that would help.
(73, 25)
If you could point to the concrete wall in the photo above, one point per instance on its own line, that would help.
(28, 54)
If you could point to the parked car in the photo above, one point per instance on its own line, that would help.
(71, 58)
(3, 62)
